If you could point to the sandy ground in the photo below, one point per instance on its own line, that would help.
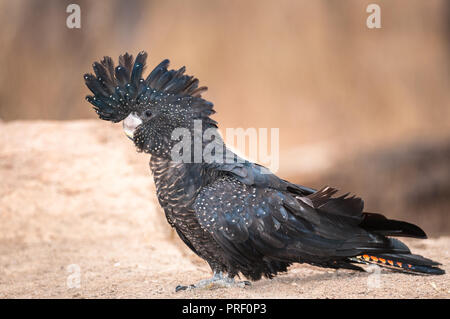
(77, 201)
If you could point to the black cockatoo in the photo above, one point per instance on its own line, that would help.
(233, 213)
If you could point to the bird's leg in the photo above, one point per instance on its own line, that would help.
(218, 280)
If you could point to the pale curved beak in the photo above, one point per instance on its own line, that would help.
(130, 123)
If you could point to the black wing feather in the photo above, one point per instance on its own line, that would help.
(257, 225)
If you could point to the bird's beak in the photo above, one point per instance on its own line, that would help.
(130, 123)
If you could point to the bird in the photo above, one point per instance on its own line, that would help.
(235, 214)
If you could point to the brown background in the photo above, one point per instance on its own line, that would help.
(364, 110)
(367, 111)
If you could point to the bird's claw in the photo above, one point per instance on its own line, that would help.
(180, 288)
(217, 281)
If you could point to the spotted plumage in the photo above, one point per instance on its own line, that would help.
(235, 214)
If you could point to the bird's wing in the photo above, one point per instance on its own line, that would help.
(253, 223)
(253, 174)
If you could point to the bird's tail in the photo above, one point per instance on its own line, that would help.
(397, 256)
(377, 245)
(402, 262)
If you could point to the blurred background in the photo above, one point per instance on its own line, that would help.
(363, 110)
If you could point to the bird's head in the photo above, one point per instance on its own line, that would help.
(151, 108)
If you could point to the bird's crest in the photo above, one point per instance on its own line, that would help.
(117, 91)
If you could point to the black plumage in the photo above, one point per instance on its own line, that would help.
(237, 215)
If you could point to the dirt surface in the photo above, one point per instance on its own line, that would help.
(75, 198)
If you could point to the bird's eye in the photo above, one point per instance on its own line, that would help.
(148, 114)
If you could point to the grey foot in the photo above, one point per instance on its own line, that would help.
(217, 281)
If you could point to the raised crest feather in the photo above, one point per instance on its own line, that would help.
(117, 91)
